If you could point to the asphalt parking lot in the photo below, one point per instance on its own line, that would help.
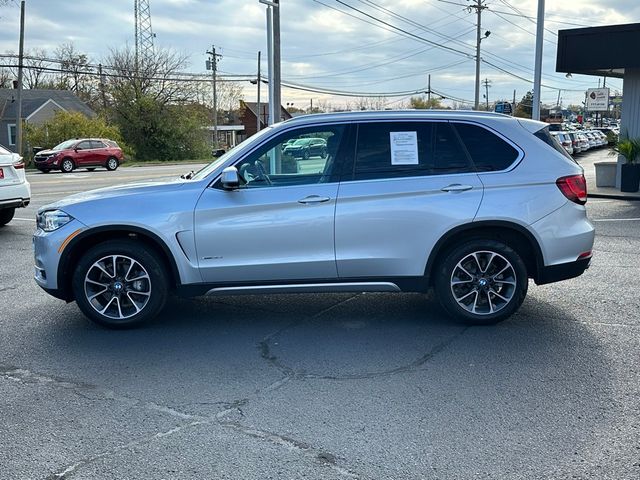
(366, 386)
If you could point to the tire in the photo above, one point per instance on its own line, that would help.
(112, 164)
(67, 165)
(305, 155)
(91, 169)
(491, 281)
(6, 215)
(134, 294)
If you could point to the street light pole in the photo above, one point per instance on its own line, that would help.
(479, 6)
(537, 77)
(258, 106)
(273, 58)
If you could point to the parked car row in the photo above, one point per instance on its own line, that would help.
(579, 141)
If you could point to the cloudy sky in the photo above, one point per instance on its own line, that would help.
(338, 45)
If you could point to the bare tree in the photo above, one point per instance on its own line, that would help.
(36, 72)
(5, 78)
(76, 73)
(154, 77)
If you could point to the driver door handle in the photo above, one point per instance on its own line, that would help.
(314, 199)
(456, 187)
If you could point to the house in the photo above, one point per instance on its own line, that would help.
(38, 106)
(249, 116)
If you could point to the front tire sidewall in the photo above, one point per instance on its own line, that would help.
(448, 264)
(151, 263)
(67, 165)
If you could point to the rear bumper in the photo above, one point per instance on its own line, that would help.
(15, 196)
(563, 271)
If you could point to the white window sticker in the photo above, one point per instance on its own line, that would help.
(404, 148)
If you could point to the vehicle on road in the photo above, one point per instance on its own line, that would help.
(472, 204)
(88, 153)
(15, 191)
(306, 147)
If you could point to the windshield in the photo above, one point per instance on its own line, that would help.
(205, 171)
(64, 145)
(302, 141)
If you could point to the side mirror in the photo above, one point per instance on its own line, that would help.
(230, 178)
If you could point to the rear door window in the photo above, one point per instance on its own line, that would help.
(488, 151)
(408, 149)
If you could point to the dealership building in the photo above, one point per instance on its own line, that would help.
(609, 51)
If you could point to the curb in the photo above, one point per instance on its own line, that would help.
(613, 196)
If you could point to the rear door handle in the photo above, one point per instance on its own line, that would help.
(314, 199)
(456, 187)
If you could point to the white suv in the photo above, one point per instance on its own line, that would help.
(15, 191)
(472, 204)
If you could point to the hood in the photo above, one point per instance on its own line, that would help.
(121, 191)
(48, 152)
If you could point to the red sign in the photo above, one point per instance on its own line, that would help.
(579, 118)
(1, 174)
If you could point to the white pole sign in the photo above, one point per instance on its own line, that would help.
(597, 99)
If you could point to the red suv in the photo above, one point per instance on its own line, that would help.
(86, 153)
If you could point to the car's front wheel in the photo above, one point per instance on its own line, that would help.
(6, 215)
(67, 165)
(481, 281)
(120, 284)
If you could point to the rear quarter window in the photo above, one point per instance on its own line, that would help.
(488, 152)
(545, 136)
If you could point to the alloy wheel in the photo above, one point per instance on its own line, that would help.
(483, 282)
(117, 287)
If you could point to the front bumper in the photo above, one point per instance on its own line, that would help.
(48, 249)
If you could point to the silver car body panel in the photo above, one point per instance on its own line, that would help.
(365, 228)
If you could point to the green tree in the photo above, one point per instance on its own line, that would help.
(523, 109)
(66, 125)
(423, 103)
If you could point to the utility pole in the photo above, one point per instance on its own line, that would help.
(429, 89)
(487, 84)
(513, 110)
(212, 64)
(479, 6)
(311, 109)
(258, 102)
(537, 77)
(19, 93)
(102, 95)
(558, 101)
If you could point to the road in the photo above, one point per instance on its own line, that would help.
(366, 386)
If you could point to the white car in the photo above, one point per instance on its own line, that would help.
(15, 191)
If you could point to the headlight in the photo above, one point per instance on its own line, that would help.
(52, 220)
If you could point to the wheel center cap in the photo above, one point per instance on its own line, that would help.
(483, 282)
(117, 286)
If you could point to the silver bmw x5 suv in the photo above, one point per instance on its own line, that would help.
(470, 204)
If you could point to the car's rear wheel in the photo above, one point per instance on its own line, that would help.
(67, 165)
(112, 164)
(6, 215)
(481, 281)
(120, 284)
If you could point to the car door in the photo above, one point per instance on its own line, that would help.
(83, 153)
(412, 182)
(278, 226)
(99, 153)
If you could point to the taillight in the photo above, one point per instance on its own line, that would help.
(574, 187)
(18, 165)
